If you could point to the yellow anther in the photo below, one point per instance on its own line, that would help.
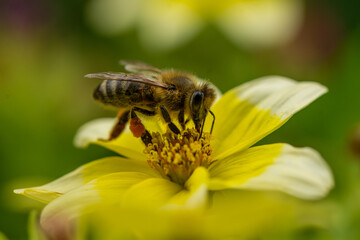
(177, 156)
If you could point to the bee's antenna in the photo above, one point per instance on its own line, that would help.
(213, 122)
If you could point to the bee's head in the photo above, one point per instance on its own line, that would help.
(200, 103)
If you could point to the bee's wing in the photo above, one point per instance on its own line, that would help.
(127, 77)
(139, 67)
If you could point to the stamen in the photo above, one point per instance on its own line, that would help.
(177, 156)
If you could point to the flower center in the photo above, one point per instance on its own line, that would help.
(177, 156)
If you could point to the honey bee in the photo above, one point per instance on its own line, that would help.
(150, 91)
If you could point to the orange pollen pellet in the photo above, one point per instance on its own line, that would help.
(136, 127)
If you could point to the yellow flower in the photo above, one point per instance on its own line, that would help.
(179, 172)
(165, 24)
(233, 215)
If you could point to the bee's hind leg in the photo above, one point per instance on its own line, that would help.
(136, 126)
(123, 118)
(167, 119)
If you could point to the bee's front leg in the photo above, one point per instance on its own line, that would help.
(167, 119)
(181, 118)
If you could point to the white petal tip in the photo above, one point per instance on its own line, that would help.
(92, 131)
(19, 191)
(312, 176)
(300, 172)
(90, 75)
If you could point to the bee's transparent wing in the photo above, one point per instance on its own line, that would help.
(139, 67)
(127, 77)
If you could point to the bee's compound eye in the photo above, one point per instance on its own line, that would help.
(196, 100)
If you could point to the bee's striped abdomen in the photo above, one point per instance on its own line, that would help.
(123, 94)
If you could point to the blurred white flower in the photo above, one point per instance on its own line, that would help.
(262, 23)
(165, 24)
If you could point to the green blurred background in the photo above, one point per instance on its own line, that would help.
(47, 47)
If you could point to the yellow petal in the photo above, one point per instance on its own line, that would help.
(105, 190)
(151, 193)
(255, 109)
(155, 193)
(238, 168)
(84, 174)
(126, 144)
(92, 132)
(195, 194)
(301, 172)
